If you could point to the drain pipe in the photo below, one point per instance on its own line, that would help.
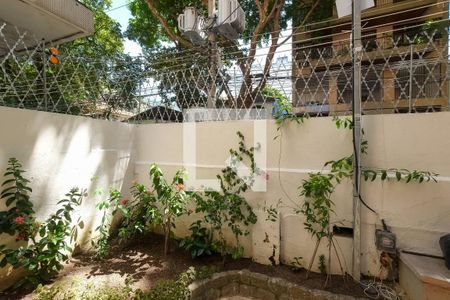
(356, 114)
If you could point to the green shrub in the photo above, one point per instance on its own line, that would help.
(165, 290)
(101, 243)
(80, 290)
(48, 244)
(199, 243)
(160, 206)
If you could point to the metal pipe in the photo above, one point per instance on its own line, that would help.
(357, 50)
(410, 78)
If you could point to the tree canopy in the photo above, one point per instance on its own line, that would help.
(93, 76)
(107, 39)
(154, 26)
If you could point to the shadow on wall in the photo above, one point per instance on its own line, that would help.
(60, 152)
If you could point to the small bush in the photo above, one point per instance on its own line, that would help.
(48, 242)
(165, 290)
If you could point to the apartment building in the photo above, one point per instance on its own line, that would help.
(404, 60)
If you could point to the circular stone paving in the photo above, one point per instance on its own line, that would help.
(246, 285)
(235, 298)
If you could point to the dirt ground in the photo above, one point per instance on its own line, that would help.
(143, 263)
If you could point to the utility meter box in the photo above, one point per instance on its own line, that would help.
(385, 241)
(190, 23)
(231, 19)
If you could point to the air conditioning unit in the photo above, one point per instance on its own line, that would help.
(231, 19)
(191, 24)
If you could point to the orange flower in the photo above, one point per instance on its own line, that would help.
(179, 187)
(124, 201)
(19, 220)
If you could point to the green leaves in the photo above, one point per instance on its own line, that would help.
(405, 175)
(15, 193)
(43, 257)
(228, 207)
(101, 243)
(317, 190)
(345, 123)
(199, 243)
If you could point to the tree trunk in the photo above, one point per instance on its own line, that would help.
(167, 237)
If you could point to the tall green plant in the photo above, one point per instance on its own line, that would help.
(149, 208)
(228, 207)
(171, 197)
(107, 207)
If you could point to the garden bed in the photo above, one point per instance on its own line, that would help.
(142, 264)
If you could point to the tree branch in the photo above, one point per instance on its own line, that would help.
(275, 34)
(308, 15)
(175, 37)
(263, 21)
(260, 9)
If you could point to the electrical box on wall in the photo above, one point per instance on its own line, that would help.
(385, 241)
(191, 23)
(231, 19)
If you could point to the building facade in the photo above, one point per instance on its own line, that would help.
(404, 60)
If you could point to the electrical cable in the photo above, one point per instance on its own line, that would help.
(116, 8)
(349, 23)
(312, 24)
(178, 56)
(356, 150)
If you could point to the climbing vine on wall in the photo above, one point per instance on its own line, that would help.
(318, 188)
(227, 207)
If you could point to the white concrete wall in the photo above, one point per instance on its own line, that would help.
(418, 213)
(61, 151)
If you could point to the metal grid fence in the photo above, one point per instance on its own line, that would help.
(403, 72)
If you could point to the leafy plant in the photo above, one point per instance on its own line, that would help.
(317, 206)
(80, 289)
(296, 265)
(282, 106)
(43, 258)
(176, 289)
(157, 207)
(200, 242)
(322, 264)
(19, 217)
(166, 289)
(272, 212)
(319, 187)
(227, 207)
(417, 176)
(138, 213)
(171, 197)
(101, 243)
